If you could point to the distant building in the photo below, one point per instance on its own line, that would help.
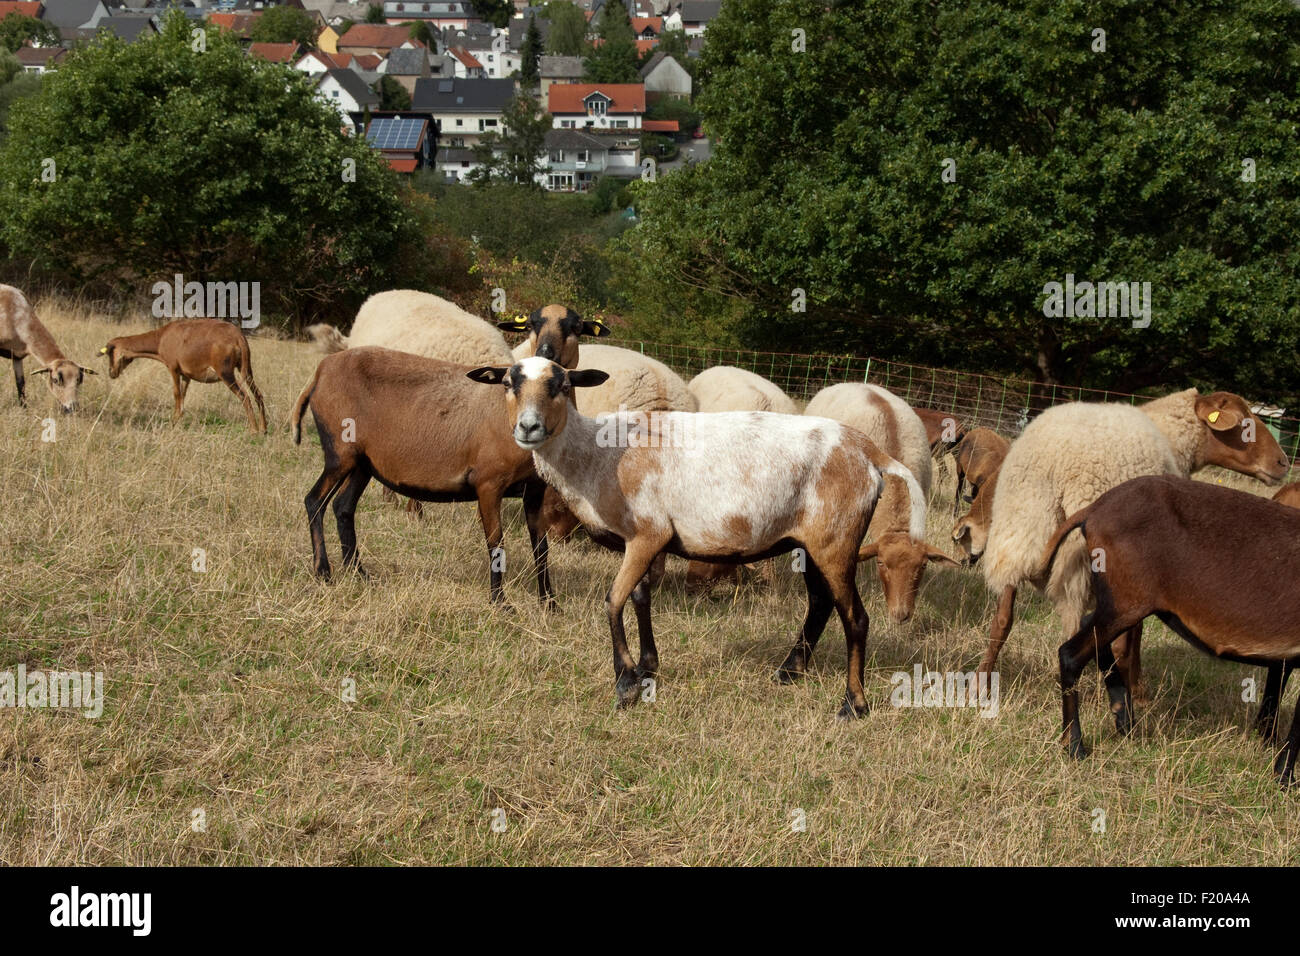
(463, 110)
(664, 76)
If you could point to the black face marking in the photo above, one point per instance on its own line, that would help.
(557, 383)
(513, 379)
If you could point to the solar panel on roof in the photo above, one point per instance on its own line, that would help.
(395, 133)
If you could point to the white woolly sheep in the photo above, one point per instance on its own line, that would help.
(774, 482)
(899, 432)
(1070, 455)
(724, 388)
(421, 324)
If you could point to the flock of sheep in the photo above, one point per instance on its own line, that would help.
(1092, 503)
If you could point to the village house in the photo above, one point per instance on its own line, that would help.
(463, 110)
(348, 93)
(596, 106)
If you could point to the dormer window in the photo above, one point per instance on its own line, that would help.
(597, 105)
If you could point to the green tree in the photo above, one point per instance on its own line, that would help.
(673, 44)
(14, 85)
(514, 156)
(568, 36)
(210, 180)
(392, 94)
(423, 32)
(614, 60)
(670, 108)
(495, 12)
(375, 13)
(284, 24)
(17, 30)
(924, 171)
(530, 54)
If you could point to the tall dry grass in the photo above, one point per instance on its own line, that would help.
(225, 688)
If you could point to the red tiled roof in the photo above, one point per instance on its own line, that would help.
(274, 52)
(465, 57)
(239, 23)
(660, 126)
(368, 61)
(640, 23)
(39, 56)
(376, 36)
(568, 97)
(19, 6)
(643, 45)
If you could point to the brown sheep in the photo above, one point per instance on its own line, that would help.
(198, 350)
(978, 455)
(1216, 565)
(424, 430)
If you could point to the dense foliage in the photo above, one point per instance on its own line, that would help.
(1115, 157)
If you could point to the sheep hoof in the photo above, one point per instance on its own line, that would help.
(1078, 750)
(785, 674)
(850, 711)
(627, 690)
(1283, 768)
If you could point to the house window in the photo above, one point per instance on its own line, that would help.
(566, 124)
(560, 181)
(491, 122)
(596, 108)
(557, 155)
(460, 122)
(619, 124)
(458, 141)
(584, 155)
(464, 164)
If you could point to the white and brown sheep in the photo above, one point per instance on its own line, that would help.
(1072, 454)
(22, 334)
(724, 388)
(897, 430)
(424, 430)
(193, 350)
(775, 482)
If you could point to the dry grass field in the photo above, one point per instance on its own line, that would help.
(224, 689)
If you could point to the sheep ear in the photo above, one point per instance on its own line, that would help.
(595, 328)
(488, 374)
(87, 370)
(1219, 419)
(519, 324)
(42, 371)
(587, 377)
(869, 551)
(934, 554)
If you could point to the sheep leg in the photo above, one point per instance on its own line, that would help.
(327, 485)
(1266, 722)
(956, 498)
(20, 380)
(1128, 654)
(252, 387)
(1284, 765)
(649, 664)
(820, 606)
(489, 515)
(180, 385)
(228, 376)
(853, 616)
(638, 556)
(1121, 702)
(1073, 655)
(534, 495)
(345, 507)
(999, 629)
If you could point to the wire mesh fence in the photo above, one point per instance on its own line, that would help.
(1004, 404)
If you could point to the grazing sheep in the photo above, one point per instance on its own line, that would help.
(1217, 566)
(892, 425)
(198, 350)
(723, 388)
(774, 482)
(425, 431)
(978, 456)
(1070, 455)
(971, 532)
(22, 334)
(943, 430)
(421, 324)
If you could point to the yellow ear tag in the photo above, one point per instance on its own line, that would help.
(104, 350)
(1214, 417)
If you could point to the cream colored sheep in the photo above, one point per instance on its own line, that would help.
(636, 383)
(1071, 454)
(421, 324)
(727, 389)
(889, 422)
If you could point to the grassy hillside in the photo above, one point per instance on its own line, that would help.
(224, 688)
